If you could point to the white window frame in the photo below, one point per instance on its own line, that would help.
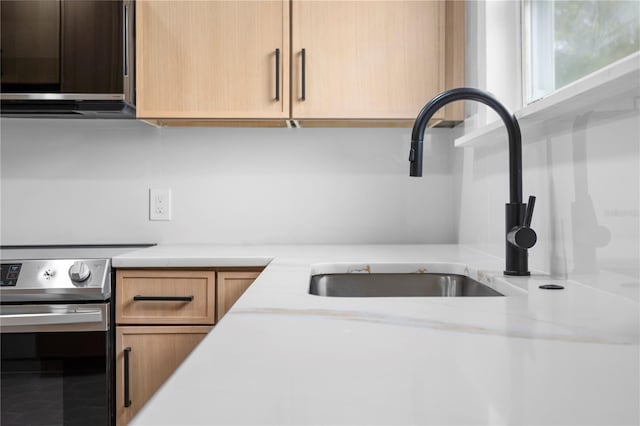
(542, 69)
(620, 79)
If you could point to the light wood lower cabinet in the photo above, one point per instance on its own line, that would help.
(231, 285)
(161, 316)
(145, 357)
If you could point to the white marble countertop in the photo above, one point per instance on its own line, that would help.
(284, 357)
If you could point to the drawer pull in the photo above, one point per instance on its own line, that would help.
(127, 398)
(139, 298)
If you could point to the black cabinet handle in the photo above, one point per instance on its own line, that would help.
(277, 74)
(528, 214)
(127, 400)
(139, 298)
(304, 74)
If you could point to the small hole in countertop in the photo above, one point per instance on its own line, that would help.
(551, 287)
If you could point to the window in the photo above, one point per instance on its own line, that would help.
(568, 39)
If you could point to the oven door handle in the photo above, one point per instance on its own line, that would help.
(49, 318)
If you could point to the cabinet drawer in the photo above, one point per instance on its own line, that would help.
(165, 297)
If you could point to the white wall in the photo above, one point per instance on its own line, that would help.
(585, 174)
(87, 181)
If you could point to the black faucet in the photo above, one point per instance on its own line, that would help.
(519, 235)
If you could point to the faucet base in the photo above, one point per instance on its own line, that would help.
(517, 273)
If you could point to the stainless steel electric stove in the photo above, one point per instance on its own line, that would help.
(57, 342)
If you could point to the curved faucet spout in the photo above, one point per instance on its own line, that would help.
(519, 237)
(468, 93)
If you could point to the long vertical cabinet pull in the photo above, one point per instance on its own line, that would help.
(303, 55)
(127, 399)
(277, 74)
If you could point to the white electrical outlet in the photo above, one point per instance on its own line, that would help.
(160, 204)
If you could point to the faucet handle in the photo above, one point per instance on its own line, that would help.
(522, 236)
(528, 214)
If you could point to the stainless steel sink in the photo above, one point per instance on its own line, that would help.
(398, 285)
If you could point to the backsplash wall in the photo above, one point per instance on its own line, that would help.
(586, 176)
(87, 181)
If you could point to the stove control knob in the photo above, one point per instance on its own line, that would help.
(79, 271)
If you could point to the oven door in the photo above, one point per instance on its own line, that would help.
(56, 365)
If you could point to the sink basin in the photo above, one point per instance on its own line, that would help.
(398, 285)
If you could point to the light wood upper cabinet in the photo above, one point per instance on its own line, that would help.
(366, 59)
(212, 59)
(378, 60)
